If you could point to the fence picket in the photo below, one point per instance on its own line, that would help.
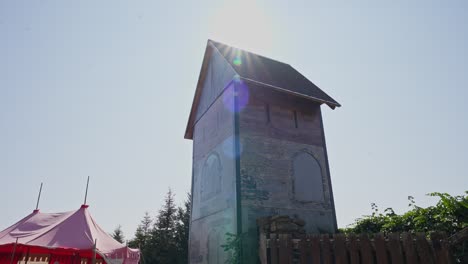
(423, 248)
(366, 249)
(341, 255)
(380, 249)
(262, 251)
(341, 249)
(353, 250)
(303, 250)
(441, 248)
(315, 249)
(394, 248)
(408, 245)
(326, 249)
(285, 249)
(273, 249)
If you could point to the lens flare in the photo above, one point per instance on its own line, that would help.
(229, 148)
(237, 60)
(237, 91)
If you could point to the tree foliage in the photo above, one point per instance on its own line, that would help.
(449, 215)
(118, 234)
(142, 236)
(164, 239)
(233, 246)
(182, 230)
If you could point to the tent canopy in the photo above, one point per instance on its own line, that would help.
(67, 231)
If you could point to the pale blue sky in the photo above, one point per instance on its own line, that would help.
(104, 88)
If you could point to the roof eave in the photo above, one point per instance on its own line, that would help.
(196, 98)
(206, 58)
(330, 104)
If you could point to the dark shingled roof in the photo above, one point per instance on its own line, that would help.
(262, 70)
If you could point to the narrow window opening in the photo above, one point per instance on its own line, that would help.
(267, 107)
(295, 119)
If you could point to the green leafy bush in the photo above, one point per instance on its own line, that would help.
(449, 215)
(233, 246)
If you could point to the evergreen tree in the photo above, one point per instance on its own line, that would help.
(118, 234)
(182, 230)
(164, 239)
(163, 243)
(142, 237)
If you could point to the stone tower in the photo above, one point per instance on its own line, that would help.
(258, 150)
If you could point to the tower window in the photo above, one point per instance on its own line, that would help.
(307, 178)
(211, 177)
(295, 119)
(267, 108)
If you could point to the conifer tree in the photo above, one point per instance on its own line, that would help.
(143, 236)
(118, 234)
(164, 239)
(182, 230)
(163, 244)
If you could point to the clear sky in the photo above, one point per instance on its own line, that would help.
(104, 88)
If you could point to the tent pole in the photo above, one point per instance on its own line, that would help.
(14, 251)
(86, 193)
(94, 251)
(39, 197)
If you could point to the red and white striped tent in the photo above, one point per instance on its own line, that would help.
(69, 237)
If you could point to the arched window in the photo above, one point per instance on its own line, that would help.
(211, 177)
(307, 178)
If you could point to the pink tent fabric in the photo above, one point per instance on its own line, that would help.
(74, 230)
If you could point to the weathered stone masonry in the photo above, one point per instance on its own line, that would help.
(258, 151)
(274, 130)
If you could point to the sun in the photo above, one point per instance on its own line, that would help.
(242, 24)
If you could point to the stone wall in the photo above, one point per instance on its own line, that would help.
(213, 185)
(283, 165)
(281, 224)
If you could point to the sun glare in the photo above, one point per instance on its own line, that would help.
(242, 24)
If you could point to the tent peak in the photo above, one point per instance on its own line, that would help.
(84, 206)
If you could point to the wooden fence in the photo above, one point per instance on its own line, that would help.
(341, 249)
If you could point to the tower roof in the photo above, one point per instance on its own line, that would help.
(269, 72)
(259, 70)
